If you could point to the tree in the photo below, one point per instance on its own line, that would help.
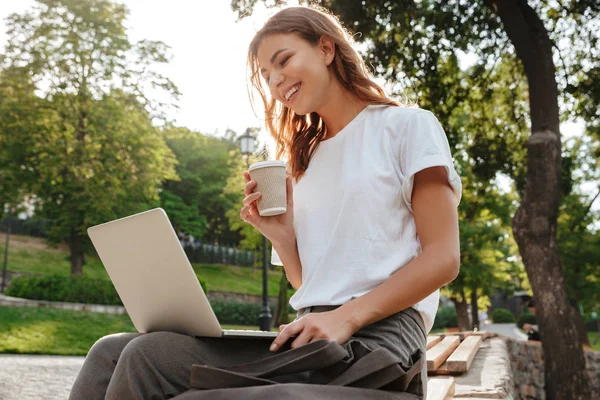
(578, 232)
(205, 163)
(100, 157)
(18, 108)
(409, 44)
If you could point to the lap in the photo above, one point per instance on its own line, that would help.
(400, 333)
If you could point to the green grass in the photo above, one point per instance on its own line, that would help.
(28, 254)
(229, 278)
(592, 336)
(34, 330)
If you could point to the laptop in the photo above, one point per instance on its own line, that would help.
(154, 278)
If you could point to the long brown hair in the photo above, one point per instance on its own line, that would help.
(298, 136)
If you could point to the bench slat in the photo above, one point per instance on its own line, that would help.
(432, 341)
(440, 388)
(440, 352)
(463, 356)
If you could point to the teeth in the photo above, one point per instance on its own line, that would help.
(292, 91)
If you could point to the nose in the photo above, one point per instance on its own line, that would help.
(276, 79)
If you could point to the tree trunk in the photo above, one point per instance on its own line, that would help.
(474, 309)
(77, 255)
(580, 326)
(462, 314)
(534, 224)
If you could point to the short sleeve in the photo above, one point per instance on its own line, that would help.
(423, 145)
(275, 260)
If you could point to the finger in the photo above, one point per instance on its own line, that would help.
(282, 327)
(250, 185)
(251, 198)
(247, 176)
(244, 213)
(292, 329)
(302, 339)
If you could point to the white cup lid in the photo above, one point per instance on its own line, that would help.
(268, 163)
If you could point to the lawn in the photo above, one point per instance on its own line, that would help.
(27, 254)
(593, 336)
(34, 330)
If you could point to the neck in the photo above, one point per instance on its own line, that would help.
(340, 108)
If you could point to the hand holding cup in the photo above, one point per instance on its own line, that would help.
(268, 205)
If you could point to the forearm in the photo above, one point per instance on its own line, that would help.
(418, 279)
(288, 253)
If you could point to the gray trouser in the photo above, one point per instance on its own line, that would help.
(158, 365)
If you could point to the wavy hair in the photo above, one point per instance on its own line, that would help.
(298, 136)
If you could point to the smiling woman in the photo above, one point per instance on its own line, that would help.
(369, 237)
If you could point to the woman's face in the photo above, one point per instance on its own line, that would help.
(296, 71)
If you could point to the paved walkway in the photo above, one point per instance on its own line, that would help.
(18, 302)
(510, 330)
(28, 377)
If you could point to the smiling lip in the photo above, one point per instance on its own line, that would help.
(293, 96)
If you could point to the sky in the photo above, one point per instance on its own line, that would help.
(209, 58)
(209, 52)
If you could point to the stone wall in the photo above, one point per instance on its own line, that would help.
(527, 362)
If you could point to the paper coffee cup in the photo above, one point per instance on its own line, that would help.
(270, 182)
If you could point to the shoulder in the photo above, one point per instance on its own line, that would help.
(401, 121)
(398, 116)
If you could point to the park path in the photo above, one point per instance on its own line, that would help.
(508, 329)
(33, 377)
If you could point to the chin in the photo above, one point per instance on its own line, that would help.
(300, 110)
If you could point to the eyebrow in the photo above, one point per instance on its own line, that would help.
(273, 57)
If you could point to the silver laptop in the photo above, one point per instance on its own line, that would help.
(155, 279)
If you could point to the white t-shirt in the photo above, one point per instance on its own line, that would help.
(352, 207)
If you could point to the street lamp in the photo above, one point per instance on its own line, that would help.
(10, 212)
(264, 319)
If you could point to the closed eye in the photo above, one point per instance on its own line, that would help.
(284, 61)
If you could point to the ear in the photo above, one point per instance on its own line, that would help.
(327, 48)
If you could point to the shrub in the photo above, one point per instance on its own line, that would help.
(445, 318)
(502, 315)
(526, 318)
(591, 324)
(238, 313)
(71, 289)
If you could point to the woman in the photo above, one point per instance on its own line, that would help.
(371, 231)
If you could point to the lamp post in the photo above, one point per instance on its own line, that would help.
(264, 319)
(10, 211)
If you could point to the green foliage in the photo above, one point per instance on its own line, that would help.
(591, 325)
(71, 289)
(578, 235)
(502, 315)
(196, 201)
(526, 318)
(92, 151)
(445, 318)
(234, 312)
